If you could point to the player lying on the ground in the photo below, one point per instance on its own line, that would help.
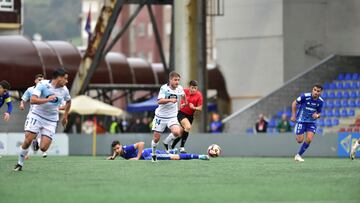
(137, 152)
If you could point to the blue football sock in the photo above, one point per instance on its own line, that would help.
(303, 148)
(189, 156)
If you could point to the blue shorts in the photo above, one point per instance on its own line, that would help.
(301, 128)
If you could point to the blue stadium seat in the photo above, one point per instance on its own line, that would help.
(332, 86)
(326, 86)
(337, 113)
(337, 103)
(272, 123)
(250, 130)
(347, 85)
(344, 103)
(331, 95)
(346, 95)
(341, 76)
(288, 113)
(358, 103)
(344, 113)
(321, 122)
(329, 113)
(355, 76)
(339, 95)
(352, 103)
(335, 121)
(339, 85)
(348, 76)
(353, 94)
(325, 95)
(272, 130)
(328, 122)
(292, 124)
(351, 112)
(354, 85)
(330, 103)
(325, 104)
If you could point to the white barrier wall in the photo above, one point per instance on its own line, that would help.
(10, 144)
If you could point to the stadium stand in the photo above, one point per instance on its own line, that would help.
(341, 109)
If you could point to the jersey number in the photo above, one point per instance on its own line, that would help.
(30, 121)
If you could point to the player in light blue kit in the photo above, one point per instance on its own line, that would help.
(137, 152)
(48, 95)
(309, 109)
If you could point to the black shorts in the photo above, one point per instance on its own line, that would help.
(181, 116)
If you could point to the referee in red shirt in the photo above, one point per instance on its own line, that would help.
(186, 114)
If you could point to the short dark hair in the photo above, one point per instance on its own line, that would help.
(39, 76)
(5, 84)
(317, 85)
(114, 143)
(59, 72)
(193, 83)
(173, 74)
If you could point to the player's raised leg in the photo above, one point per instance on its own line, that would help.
(154, 143)
(45, 143)
(299, 132)
(354, 148)
(304, 146)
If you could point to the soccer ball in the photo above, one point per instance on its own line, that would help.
(214, 150)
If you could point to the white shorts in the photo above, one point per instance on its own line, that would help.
(41, 126)
(159, 124)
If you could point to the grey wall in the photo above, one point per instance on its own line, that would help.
(249, 48)
(231, 144)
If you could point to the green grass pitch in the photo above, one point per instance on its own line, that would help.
(225, 180)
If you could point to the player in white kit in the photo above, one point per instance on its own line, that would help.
(26, 98)
(48, 95)
(169, 99)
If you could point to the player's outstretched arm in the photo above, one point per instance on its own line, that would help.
(140, 147)
(112, 157)
(293, 111)
(66, 113)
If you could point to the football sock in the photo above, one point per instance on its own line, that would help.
(303, 148)
(22, 154)
(153, 146)
(189, 156)
(169, 138)
(175, 142)
(184, 138)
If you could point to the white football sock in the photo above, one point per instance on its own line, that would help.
(153, 146)
(171, 137)
(22, 154)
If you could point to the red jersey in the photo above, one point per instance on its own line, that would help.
(195, 99)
